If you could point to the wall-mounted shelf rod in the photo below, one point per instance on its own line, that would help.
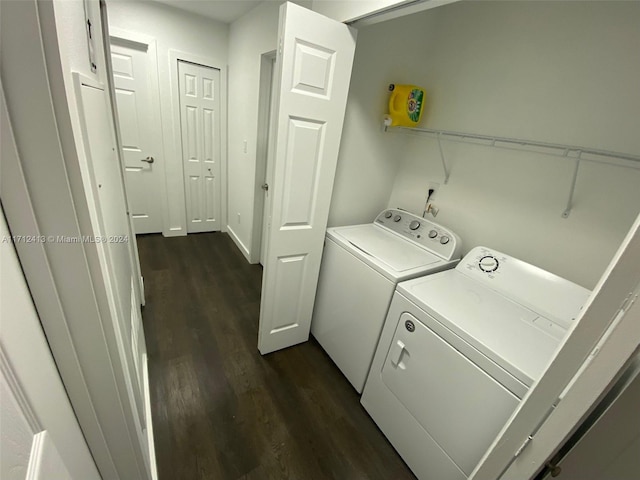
(579, 154)
(573, 151)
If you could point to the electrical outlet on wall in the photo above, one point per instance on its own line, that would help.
(432, 189)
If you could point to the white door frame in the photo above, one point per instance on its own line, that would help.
(137, 40)
(265, 96)
(174, 57)
(50, 198)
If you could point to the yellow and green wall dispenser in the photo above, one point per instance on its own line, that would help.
(406, 103)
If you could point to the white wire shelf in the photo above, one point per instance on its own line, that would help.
(574, 152)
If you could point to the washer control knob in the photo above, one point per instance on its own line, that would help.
(397, 218)
(488, 263)
(433, 234)
(388, 214)
(414, 225)
(444, 240)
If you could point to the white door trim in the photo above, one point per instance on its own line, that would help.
(265, 97)
(43, 434)
(598, 376)
(125, 37)
(174, 57)
(38, 266)
(50, 199)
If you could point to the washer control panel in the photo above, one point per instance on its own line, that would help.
(551, 296)
(425, 233)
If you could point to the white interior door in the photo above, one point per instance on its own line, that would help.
(107, 184)
(40, 438)
(200, 127)
(139, 126)
(313, 70)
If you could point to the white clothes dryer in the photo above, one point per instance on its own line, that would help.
(458, 351)
(361, 265)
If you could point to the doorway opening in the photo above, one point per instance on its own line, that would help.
(135, 83)
(262, 205)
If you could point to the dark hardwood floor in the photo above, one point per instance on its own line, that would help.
(220, 409)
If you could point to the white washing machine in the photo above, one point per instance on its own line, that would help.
(458, 351)
(361, 266)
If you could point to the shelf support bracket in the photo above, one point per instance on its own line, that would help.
(569, 206)
(444, 162)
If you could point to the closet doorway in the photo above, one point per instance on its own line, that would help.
(262, 205)
(200, 131)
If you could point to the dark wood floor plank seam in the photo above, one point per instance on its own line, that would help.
(221, 410)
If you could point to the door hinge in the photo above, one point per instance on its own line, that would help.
(280, 47)
(523, 446)
(628, 301)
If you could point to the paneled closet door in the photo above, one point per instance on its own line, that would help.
(313, 70)
(200, 128)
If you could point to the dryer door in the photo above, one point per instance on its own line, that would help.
(458, 404)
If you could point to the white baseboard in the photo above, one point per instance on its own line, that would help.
(174, 232)
(239, 244)
(149, 421)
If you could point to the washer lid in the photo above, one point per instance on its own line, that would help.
(386, 247)
(518, 339)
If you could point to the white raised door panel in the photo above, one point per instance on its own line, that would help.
(40, 438)
(200, 127)
(138, 128)
(26, 452)
(313, 69)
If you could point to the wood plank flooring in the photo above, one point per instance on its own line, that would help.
(220, 409)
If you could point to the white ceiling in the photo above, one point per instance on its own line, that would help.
(226, 11)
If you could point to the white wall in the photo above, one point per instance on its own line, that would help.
(369, 159)
(564, 72)
(252, 35)
(174, 31)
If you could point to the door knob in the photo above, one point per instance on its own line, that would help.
(554, 469)
(148, 160)
(265, 187)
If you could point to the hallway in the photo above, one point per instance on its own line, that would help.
(220, 409)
